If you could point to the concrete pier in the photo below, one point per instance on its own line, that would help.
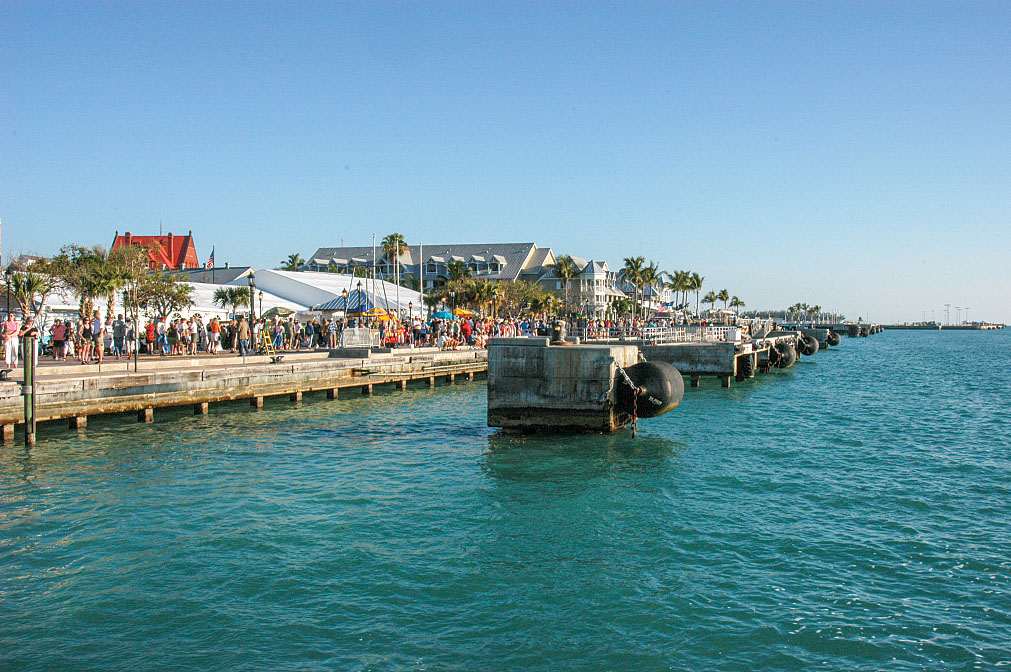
(73, 393)
(534, 385)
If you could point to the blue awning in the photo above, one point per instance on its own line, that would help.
(355, 303)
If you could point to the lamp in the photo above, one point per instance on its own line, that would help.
(8, 274)
(260, 296)
(360, 303)
(252, 292)
(344, 293)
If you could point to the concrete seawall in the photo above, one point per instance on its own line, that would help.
(76, 392)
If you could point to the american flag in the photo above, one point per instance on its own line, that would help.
(210, 260)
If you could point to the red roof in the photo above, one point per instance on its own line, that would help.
(168, 251)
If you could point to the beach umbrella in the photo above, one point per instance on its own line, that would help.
(443, 315)
(462, 312)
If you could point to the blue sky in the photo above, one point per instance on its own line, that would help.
(852, 155)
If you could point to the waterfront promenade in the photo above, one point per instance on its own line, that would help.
(71, 391)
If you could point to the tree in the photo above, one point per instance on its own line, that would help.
(737, 303)
(651, 277)
(394, 244)
(710, 298)
(723, 296)
(457, 270)
(631, 273)
(30, 285)
(482, 293)
(566, 269)
(697, 281)
(166, 293)
(89, 272)
(233, 296)
(293, 263)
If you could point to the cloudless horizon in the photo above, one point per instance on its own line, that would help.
(851, 155)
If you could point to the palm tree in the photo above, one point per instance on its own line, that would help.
(293, 262)
(737, 303)
(723, 296)
(457, 270)
(482, 293)
(710, 298)
(651, 277)
(231, 296)
(566, 269)
(631, 272)
(697, 281)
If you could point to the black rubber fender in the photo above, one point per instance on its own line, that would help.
(807, 345)
(662, 389)
(787, 355)
(746, 366)
(834, 339)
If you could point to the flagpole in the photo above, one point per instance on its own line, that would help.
(421, 276)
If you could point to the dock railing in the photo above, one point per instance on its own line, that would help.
(689, 333)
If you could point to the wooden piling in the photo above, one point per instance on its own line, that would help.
(28, 388)
(431, 381)
(256, 402)
(296, 396)
(145, 415)
(201, 408)
(402, 384)
(7, 432)
(331, 393)
(696, 380)
(725, 381)
(367, 389)
(79, 422)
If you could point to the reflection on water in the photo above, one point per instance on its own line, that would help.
(561, 456)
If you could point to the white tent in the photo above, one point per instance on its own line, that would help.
(310, 288)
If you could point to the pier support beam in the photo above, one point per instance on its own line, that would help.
(79, 422)
(696, 380)
(451, 377)
(201, 408)
(725, 381)
(256, 402)
(296, 396)
(145, 415)
(7, 432)
(470, 376)
(402, 384)
(431, 381)
(367, 389)
(331, 393)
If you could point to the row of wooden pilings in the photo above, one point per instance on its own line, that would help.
(146, 414)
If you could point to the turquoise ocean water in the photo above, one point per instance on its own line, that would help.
(852, 513)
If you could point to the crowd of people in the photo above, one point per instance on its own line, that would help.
(115, 337)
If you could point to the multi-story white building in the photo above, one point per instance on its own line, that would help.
(591, 292)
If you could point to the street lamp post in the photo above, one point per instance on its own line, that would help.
(360, 304)
(252, 293)
(452, 294)
(410, 309)
(344, 293)
(8, 274)
(260, 296)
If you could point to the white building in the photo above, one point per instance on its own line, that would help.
(592, 291)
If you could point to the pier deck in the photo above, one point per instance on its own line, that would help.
(72, 391)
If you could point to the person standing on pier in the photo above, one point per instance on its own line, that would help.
(243, 334)
(119, 337)
(10, 332)
(98, 336)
